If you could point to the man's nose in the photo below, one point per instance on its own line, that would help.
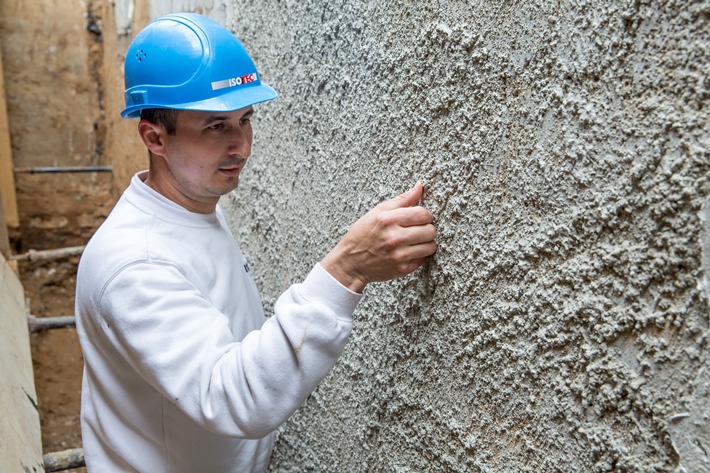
(240, 142)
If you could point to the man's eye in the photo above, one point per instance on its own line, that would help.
(216, 126)
(246, 121)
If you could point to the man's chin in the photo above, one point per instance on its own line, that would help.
(232, 186)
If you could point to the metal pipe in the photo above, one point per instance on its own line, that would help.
(52, 169)
(64, 460)
(38, 255)
(37, 324)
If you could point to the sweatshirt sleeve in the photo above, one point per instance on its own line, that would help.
(182, 346)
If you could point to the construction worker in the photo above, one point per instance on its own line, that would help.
(183, 371)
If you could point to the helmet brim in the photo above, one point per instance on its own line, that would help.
(227, 102)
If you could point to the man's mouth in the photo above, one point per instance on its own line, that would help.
(232, 168)
(230, 171)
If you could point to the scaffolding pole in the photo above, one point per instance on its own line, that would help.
(39, 255)
(37, 324)
(54, 169)
(64, 460)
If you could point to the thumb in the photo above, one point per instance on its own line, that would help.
(405, 199)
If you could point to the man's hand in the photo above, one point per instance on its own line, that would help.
(390, 241)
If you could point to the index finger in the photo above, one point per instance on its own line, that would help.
(410, 216)
(405, 199)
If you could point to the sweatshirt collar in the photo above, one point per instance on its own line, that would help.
(152, 202)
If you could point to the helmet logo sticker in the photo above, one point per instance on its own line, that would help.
(234, 81)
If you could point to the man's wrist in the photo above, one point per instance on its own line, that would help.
(335, 267)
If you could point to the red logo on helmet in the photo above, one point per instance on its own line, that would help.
(248, 78)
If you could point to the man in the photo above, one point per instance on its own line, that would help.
(183, 372)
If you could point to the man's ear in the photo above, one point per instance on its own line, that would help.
(153, 136)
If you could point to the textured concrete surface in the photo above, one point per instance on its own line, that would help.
(563, 324)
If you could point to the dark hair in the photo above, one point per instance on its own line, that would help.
(166, 117)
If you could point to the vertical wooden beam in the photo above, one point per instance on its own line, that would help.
(4, 239)
(4, 182)
(7, 177)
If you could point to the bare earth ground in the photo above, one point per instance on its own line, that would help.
(57, 211)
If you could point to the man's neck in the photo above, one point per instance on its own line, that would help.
(164, 188)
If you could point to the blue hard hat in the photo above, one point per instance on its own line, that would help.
(186, 61)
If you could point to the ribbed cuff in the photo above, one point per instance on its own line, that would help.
(319, 284)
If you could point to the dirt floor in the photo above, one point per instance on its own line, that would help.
(56, 353)
(57, 211)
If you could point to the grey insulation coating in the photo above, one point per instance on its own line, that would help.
(563, 323)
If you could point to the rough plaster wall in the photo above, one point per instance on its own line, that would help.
(563, 323)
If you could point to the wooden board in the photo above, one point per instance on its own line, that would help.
(20, 435)
(4, 239)
(7, 177)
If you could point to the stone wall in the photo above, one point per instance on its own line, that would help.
(563, 323)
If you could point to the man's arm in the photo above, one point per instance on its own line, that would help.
(390, 241)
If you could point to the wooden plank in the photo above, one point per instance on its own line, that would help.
(7, 177)
(20, 436)
(4, 238)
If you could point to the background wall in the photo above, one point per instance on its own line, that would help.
(563, 323)
(52, 54)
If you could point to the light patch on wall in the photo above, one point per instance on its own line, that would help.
(214, 9)
(124, 16)
(705, 245)
(688, 430)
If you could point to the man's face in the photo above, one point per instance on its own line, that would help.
(207, 153)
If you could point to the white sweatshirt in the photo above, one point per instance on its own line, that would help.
(183, 372)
